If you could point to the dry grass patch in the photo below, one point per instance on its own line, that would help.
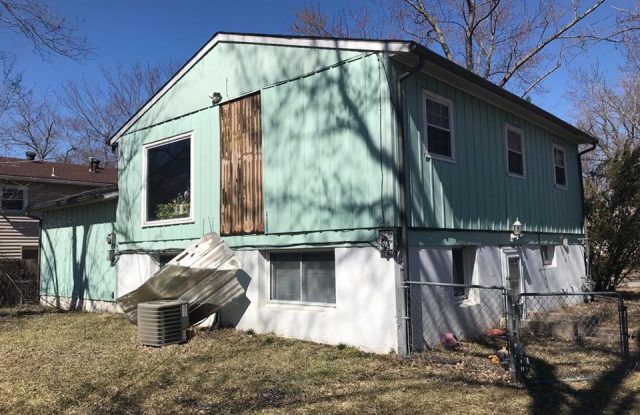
(88, 363)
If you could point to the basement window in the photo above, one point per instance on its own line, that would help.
(304, 278)
(168, 172)
(559, 165)
(437, 126)
(463, 263)
(548, 254)
(13, 198)
(515, 151)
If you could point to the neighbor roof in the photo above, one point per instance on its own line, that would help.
(47, 171)
(89, 196)
(393, 47)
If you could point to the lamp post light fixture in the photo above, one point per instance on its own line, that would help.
(516, 230)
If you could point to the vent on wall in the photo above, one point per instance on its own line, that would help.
(162, 322)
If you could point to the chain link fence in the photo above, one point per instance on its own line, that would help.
(571, 336)
(538, 336)
(468, 312)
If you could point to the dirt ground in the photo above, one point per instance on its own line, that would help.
(81, 363)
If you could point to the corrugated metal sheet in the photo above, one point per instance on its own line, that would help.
(73, 252)
(241, 203)
(17, 231)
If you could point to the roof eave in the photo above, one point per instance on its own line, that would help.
(579, 136)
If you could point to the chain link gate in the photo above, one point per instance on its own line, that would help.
(559, 336)
(570, 336)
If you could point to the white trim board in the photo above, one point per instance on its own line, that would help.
(392, 46)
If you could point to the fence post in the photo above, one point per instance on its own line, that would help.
(624, 331)
(512, 335)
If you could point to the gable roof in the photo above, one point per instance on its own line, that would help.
(393, 47)
(390, 46)
(47, 171)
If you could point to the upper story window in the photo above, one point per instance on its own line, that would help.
(303, 277)
(437, 125)
(559, 164)
(168, 178)
(13, 198)
(515, 151)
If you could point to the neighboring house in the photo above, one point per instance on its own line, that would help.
(25, 182)
(301, 152)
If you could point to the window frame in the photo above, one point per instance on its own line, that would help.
(510, 127)
(426, 94)
(469, 259)
(555, 147)
(269, 275)
(25, 197)
(548, 261)
(192, 193)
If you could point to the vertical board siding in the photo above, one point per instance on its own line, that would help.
(241, 209)
(329, 150)
(475, 192)
(73, 252)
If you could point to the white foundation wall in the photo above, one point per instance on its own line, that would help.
(435, 311)
(566, 273)
(133, 271)
(364, 315)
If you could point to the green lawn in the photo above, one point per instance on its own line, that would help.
(89, 363)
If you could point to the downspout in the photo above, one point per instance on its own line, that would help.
(402, 177)
(587, 260)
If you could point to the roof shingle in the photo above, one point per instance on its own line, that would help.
(46, 170)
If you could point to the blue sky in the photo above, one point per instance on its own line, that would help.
(126, 32)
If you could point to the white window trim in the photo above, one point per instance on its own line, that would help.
(25, 197)
(555, 146)
(304, 305)
(192, 193)
(509, 127)
(425, 124)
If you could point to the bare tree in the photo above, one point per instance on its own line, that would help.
(48, 32)
(97, 112)
(10, 84)
(515, 44)
(34, 124)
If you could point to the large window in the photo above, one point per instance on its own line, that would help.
(13, 198)
(438, 125)
(559, 164)
(168, 182)
(515, 151)
(303, 277)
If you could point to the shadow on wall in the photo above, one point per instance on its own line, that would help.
(232, 313)
(74, 265)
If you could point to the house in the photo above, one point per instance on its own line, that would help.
(27, 181)
(338, 169)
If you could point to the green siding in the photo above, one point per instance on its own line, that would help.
(235, 70)
(475, 192)
(328, 150)
(74, 252)
(328, 153)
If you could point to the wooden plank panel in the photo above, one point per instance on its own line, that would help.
(241, 205)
